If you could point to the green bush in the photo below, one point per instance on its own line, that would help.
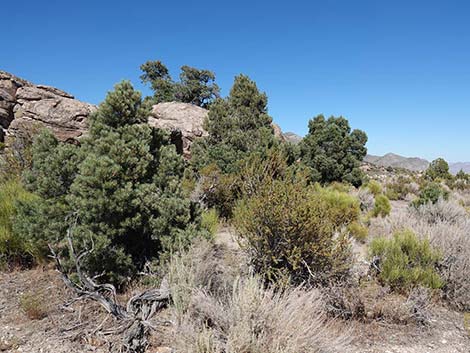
(430, 193)
(382, 206)
(358, 231)
(210, 221)
(405, 261)
(399, 188)
(374, 187)
(288, 229)
(15, 249)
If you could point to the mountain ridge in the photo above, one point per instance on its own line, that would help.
(415, 164)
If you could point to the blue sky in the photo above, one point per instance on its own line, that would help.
(400, 70)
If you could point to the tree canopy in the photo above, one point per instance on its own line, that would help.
(196, 86)
(333, 151)
(236, 126)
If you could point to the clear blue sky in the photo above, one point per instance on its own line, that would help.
(400, 70)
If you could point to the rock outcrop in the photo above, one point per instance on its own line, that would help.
(26, 108)
(184, 121)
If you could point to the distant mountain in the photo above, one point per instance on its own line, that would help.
(414, 164)
(292, 137)
(395, 161)
(456, 167)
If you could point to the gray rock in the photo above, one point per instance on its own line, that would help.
(185, 122)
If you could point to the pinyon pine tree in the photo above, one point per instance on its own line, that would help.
(196, 86)
(123, 186)
(236, 126)
(333, 151)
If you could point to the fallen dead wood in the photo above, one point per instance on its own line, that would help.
(133, 318)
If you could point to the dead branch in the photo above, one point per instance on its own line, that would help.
(133, 318)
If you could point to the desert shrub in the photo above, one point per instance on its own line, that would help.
(453, 242)
(210, 221)
(333, 151)
(405, 261)
(374, 187)
(399, 188)
(218, 190)
(366, 199)
(358, 231)
(251, 318)
(441, 211)
(466, 322)
(341, 187)
(123, 184)
(370, 302)
(33, 305)
(205, 267)
(382, 206)
(15, 248)
(222, 190)
(288, 229)
(430, 193)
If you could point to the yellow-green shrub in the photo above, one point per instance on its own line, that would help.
(288, 229)
(374, 187)
(358, 231)
(14, 248)
(405, 261)
(382, 206)
(210, 221)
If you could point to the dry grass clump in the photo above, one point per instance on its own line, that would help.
(452, 238)
(370, 302)
(441, 211)
(217, 309)
(366, 199)
(33, 306)
(255, 319)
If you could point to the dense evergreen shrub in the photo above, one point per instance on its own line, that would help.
(405, 261)
(123, 186)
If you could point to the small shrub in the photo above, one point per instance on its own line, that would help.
(358, 231)
(374, 187)
(405, 261)
(14, 248)
(466, 322)
(441, 211)
(399, 188)
(288, 230)
(372, 302)
(382, 206)
(251, 318)
(366, 199)
(341, 187)
(33, 306)
(210, 221)
(430, 193)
